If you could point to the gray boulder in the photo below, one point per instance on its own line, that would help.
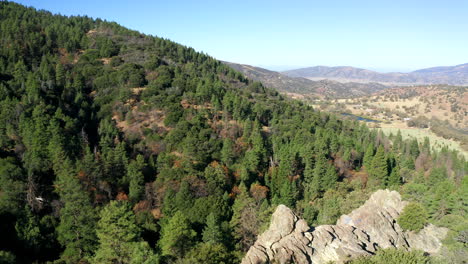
(362, 232)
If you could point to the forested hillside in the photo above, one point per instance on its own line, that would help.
(119, 147)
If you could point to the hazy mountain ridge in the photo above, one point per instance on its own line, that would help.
(454, 75)
(306, 87)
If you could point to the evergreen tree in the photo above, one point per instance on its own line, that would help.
(368, 156)
(321, 146)
(256, 155)
(413, 217)
(426, 147)
(320, 171)
(59, 74)
(330, 178)
(76, 231)
(414, 148)
(437, 175)
(330, 210)
(243, 219)
(184, 199)
(215, 178)
(397, 143)
(12, 186)
(227, 152)
(119, 236)
(378, 170)
(212, 232)
(394, 180)
(287, 194)
(35, 137)
(176, 236)
(142, 253)
(208, 253)
(136, 178)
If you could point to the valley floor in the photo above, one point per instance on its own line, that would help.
(437, 142)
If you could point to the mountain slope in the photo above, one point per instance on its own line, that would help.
(119, 147)
(462, 68)
(301, 87)
(454, 75)
(276, 80)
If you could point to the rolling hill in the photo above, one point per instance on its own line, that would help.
(301, 88)
(453, 75)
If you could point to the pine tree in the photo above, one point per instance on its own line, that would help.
(33, 88)
(36, 138)
(413, 217)
(169, 207)
(242, 220)
(394, 180)
(321, 146)
(287, 194)
(330, 210)
(89, 166)
(136, 178)
(212, 232)
(397, 143)
(426, 147)
(76, 231)
(311, 185)
(255, 156)
(215, 178)
(208, 253)
(320, 170)
(414, 148)
(368, 156)
(330, 178)
(227, 152)
(119, 235)
(12, 186)
(183, 199)
(176, 236)
(59, 75)
(141, 253)
(379, 172)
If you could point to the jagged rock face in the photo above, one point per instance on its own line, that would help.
(362, 232)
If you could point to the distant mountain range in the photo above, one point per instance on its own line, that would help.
(304, 86)
(453, 75)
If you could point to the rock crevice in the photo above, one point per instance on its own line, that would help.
(362, 232)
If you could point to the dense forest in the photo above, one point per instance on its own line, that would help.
(120, 147)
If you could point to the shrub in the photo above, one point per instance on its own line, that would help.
(394, 256)
(413, 217)
(7, 257)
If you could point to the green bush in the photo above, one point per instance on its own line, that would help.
(7, 257)
(413, 217)
(394, 256)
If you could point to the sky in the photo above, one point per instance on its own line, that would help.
(397, 35)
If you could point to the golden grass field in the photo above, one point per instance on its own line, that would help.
(437, 142)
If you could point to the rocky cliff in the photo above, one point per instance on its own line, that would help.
(362, 232)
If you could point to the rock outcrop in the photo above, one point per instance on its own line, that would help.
(362, 232)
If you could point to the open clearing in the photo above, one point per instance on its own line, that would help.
(437, 142)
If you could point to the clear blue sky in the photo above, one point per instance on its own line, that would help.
(382, 35)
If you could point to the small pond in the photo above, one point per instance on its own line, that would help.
(360, 118)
